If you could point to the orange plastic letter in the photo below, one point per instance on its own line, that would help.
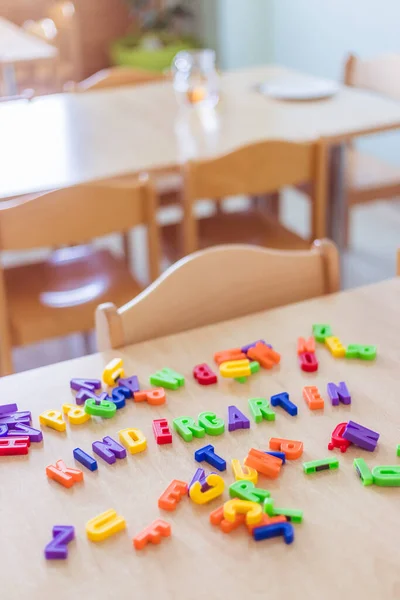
(172, 495)
(312, 396)
(228, 355)
(304, 345)
(291, 448)
(63, 474)
(152, 534)
(264, 355)
(154, 397)
(266, 464)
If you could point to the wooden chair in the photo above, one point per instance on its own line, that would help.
(115, 77)
(218, 284)
(252, 170)
(58, 297)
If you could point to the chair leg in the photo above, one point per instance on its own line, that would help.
(274, 205)
(6, 359)
(86, 339)
(346, 225)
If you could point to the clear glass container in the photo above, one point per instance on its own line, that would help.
(196, 80)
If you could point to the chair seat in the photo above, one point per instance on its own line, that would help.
(368, 175)
(249, 227)
(59, 296)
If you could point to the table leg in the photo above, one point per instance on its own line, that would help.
(337, 195)
(9, 80)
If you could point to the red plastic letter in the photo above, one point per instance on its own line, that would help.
(308, 362)
(15, 445)
(337, 439)
(162, 432)
(204, 375)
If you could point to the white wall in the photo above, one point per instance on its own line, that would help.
(315, 35)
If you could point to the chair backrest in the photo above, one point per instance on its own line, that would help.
(254, 169)
(116, 77)
(73, 215)
(218, 284)
(380, 74)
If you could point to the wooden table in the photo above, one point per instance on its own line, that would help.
(65, 139)
(18, 46)
(347, 546)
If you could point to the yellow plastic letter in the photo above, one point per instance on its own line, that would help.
(113, 371)
(243, 473)
(217, 486)
(335, 346)
(53, 419)
(104, 525)
(133, 440)
(252, 510)
(76, 415)
(235, 368)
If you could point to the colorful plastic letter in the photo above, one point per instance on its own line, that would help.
(267, 532)
(308, 362)
(63, 474)
(133, 440)
(105, 409)
(200, 475)
(103, 526)
(304, 345)
(14, 446)
(387, 476)
(243, 473)
(167, 378)
(291, 514)
(246, 490)
(208, 455)
(283, 401)
(35, 435)
(216, 488)
(398, 450)
(211, 424)
(120, 395)
(325, 464)
(292, 449)
(280, 455)
(266, 520)
(154, 397)
(152, 534)
(11, 420)
(4, 430)
(338, 393)
(321, 332)
(132, 383)
(229, 355)
(245, 349)
(84, 395)
(162, 432)
(172, 495)
(217, 518)
(235, 368)
(236, 419)
(57, 549)
(336, 347)
(53, 419)
(266, 464)
(85, 384)
(187, 428)
(263, 354)
(204, 375)
(76, 415)
(113, 371)
(109, 450)
(8, 409)
(363, 471)
(252, 510)
(361, 436)
(337, 439)
(362, 352)
(85, 459)
(313, 398)
(259, 408)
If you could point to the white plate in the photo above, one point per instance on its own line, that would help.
(300, 90)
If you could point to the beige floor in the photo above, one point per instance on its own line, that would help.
(375, 234)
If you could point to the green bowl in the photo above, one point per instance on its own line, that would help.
(125, 52)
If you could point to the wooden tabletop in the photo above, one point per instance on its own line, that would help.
(347, 545)
(65, 139)
(16, 45)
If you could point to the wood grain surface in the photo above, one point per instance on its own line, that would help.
(347, 546)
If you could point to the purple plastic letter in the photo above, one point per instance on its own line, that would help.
(245, 349)
(236, 419)
(58, 547)
(3, 430)
(132, 383)
(85, 384)
(84, 395)
(35, 435)
(361, 436)
(339, 393)
(24, 418)
(109, 450)
(7, 409)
